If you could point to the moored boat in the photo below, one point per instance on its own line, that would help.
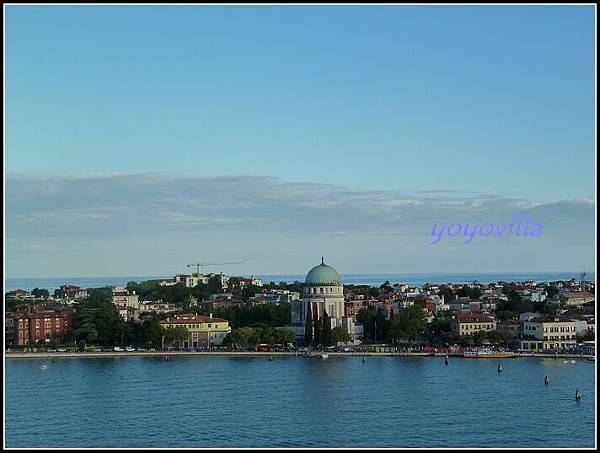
(488, 354)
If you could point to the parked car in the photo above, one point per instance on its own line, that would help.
(50, 350)
(130, 349)
(62, 350)
(117, 349)
(142, 350)
(96, 350)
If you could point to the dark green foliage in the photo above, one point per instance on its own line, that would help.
(317, 329)
(326, 333)
(340, 334)
(409, 324)
(308, 326)
(40, 293)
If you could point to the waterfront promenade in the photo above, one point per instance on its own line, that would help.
(50, 355)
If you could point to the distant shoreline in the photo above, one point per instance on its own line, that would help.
(67, 355)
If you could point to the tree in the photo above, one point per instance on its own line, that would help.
(308, 326)
(386, 288)
(447, 294)
(326, 334)
(318, 329)
(551, 291)
(340, 334)
(40, 293)
(408, 324)
(284, 336)
(366, 317)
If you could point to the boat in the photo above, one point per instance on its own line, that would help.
(488, 354)
(324, 355)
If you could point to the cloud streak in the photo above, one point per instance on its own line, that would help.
(121, 204)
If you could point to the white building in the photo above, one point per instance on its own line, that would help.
(323, 291)
(121, 296)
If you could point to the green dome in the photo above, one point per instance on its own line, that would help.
(323, 275)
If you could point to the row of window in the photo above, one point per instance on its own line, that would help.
(562, 329)
(562, 337)
(478, 326)
(324, 290)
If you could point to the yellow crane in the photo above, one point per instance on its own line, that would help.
(199, 265)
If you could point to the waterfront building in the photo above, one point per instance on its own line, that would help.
(205, 331)
(41, 326)
(588, 347)
(467, 323)
(323, 290)
(549, 333)
(513, 326)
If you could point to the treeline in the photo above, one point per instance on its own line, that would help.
(410, 325)
(180, 294)
(244, 316)
(97, 322)
(251, 336)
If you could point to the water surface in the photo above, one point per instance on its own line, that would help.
(218, 401)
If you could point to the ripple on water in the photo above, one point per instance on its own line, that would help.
(293, 402)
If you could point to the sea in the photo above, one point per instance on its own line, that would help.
(414, 279)
(292, 402)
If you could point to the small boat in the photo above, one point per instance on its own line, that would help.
(546, 380)
(488, 354)
(446, 360)
(324, 355)
(44, 367)
(577, 395)
(499, 368)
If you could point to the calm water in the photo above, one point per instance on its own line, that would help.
(295, 402)
(51, 283)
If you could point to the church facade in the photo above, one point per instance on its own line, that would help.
(323, 290)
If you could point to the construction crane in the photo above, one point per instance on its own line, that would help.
(199, 265)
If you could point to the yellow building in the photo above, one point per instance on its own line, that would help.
(205, 331)
(467, 323)
(549, 332)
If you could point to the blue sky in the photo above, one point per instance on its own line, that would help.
(301, 109)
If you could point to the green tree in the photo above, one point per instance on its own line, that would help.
(386, 288)
(447, 294)
(308, 326)
(408, 324)
(326, 334)
(317, 328)
(40, 293)
(340, 334)
(284, 336)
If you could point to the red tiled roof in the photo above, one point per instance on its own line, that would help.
(474, 317)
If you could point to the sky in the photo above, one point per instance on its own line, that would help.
(140, 139)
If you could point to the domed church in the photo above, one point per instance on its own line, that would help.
(324, 290)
